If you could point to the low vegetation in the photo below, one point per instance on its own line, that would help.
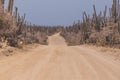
(98, 29)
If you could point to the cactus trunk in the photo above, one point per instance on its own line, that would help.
(2, 6)
(10, 6)
(115, 10)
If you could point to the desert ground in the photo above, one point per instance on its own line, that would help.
(57, 61)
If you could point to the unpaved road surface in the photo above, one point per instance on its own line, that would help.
(57, 61)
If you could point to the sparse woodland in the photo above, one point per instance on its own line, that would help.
(98, 29)
(15, 31)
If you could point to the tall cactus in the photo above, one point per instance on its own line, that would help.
(97, 23)
(3, 1)
(2, 6)
(10, 6)
(119, 27)
(115, 10)
(16, 14)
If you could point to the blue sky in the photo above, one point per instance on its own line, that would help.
(58, 12)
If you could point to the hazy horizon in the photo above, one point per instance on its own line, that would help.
(58, 12)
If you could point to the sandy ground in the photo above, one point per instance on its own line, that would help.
(57, 61)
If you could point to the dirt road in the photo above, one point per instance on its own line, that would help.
(57, 61)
